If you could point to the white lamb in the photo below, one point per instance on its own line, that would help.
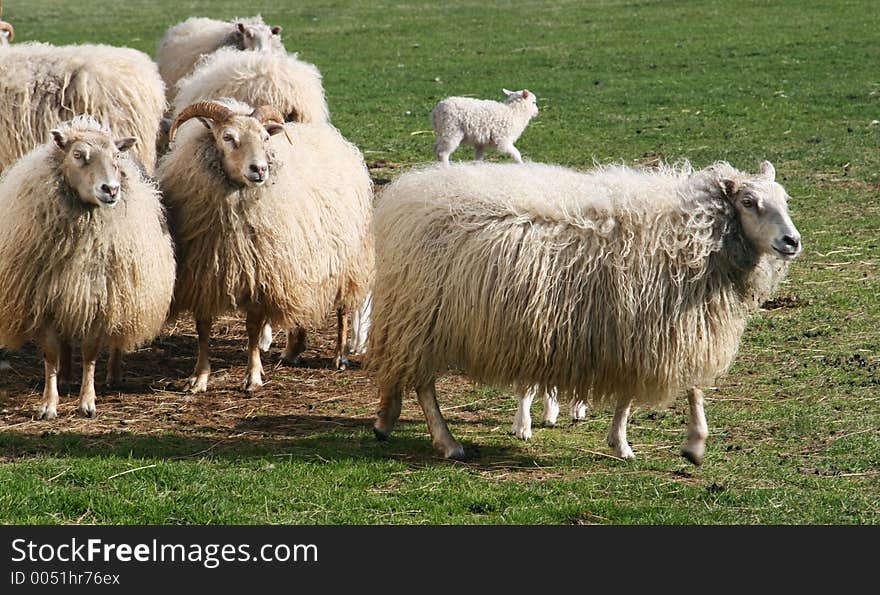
(482, 123)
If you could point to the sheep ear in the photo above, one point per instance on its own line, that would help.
(525, 94)
(59, 138)
(274, 128)
(729, 188)
(768, 171)
(241, 27)
(276, 30)
(124, 144)
(508, 93)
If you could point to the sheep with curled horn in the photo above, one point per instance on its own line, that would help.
(85, 253)
(276, 228)
(626, 286)
(188, 42)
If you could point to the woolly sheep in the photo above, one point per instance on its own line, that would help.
(276, 79)
(623, 284)
(85, 253)
(275, 228)
(186, 43)
(482, 123)
(41, 85)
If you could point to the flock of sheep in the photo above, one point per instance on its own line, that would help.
(616, 285)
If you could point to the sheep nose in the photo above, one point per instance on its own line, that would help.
(259, 169)
(793, 241)
(110, 190)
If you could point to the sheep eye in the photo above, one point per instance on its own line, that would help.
(748, 203)
(229, 138)
(77, 155)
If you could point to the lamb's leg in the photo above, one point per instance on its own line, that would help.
(296, 344)
(360, 325)
(114, 368)
(522, 421)
(87, 388)
(65, 363)
(479, 152)
(551, 407)
(51, 346)
(341, 360)
(617, 434)
(698, 429)
(254, 376)
(510, 150)
(198, 382)
(446, 146)
(578, 408)
(444, 443)
(390, 400)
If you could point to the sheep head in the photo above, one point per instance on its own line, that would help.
(89, 164)
(256, 36)
(524, 97)
(762, 207)
(242, 141)
(7, 33)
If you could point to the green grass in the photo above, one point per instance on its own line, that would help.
(795, 427)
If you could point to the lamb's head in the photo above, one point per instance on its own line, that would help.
(242, 140)
(257, 36)
(7, 33)
(523, 98)
(89, 163)
(762, 207)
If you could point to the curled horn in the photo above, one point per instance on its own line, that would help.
(201, 109)
(4, 26)
(268, 113)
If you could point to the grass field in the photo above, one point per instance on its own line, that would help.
(794, 428)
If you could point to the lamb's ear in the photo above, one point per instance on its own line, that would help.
(525, 94)
(508, 93)
(241, 27)
(276, 30)
(273, 128)
(768, 171)
(124, 144)
(59, 138)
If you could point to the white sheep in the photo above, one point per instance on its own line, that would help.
(41, 85)
(482, 123)
(85, 253)
(622, 285)
(258, 78)
(270, 218)
(186, 43)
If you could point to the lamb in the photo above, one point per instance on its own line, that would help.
(186, 43)
(522, 421)
(482, 123)
(85, 252)
(274, 78)
(275, 228)
(624, 285)
(41, 85)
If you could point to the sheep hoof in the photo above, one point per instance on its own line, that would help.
(87, 409)
(341, 363)
(291, 360)
(622, 451)
(693, 456)
(197, 384)
(453, 451)
(47, 413)
(548, 423)
(522, 433)
(381, 435)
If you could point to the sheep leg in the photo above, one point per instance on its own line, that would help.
(508, 148)
(443, 441)
(578, 408)
(65, 363)
(446, 146)
(254, 376)
(87, 388)
(341, 360)
(390, 401)
(617, 434)
(551, 407)
(51, 346)
(114, 368)
(198, 382)
(479, 152)
(522, 421)
(698, 429)
(296, 344)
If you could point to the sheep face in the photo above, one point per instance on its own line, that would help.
(526, 97)
(762, 207)
(257, 37)
(243, 143)
(89, 164)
